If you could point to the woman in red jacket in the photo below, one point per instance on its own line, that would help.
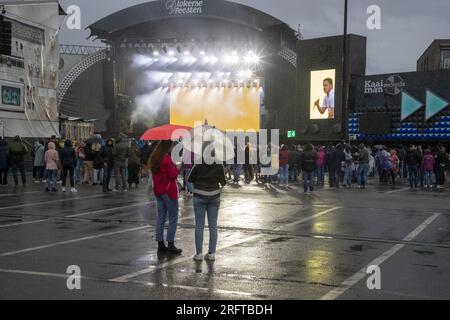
(165, 187)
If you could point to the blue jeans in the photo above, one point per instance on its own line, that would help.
(284, 174)
(428, 178)
(187, 185)
(52, 176)
(201, 208)
(120, 173)
(78, 168)
(293, 174)
(165, 206)
(413, 179)
(308, 180)
(363, 169)
(107, 171)
(320, 174)
(237, 168)
(348, 176)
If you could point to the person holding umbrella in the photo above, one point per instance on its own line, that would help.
(165, 175)
(207, 178)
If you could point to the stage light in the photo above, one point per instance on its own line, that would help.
(156, 53)
(251, 57)
(202, 53)
(171, 53)
(186, 53)
(214, 59)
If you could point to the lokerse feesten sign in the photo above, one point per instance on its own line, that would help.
(180, 7)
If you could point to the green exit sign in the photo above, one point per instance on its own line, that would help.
(291, 134)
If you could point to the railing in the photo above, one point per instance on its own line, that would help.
(79, 49)
(12, 61)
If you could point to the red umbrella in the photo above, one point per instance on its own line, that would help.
(164, 133)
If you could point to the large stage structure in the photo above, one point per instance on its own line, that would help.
(178, 61)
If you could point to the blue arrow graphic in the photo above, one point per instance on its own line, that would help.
(409, 105)
(435, 104)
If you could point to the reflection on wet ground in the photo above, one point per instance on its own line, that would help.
(274, 243)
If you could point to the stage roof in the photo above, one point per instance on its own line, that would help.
(169, 9)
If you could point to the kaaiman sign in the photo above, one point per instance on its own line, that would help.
(181, 7)
(392, 85)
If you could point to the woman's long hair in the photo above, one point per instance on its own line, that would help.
(161, 150)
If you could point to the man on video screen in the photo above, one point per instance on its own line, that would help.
(328, 101)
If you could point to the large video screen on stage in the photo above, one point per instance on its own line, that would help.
(322, 104)
(224, 108)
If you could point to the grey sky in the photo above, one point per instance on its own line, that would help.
(408, 26)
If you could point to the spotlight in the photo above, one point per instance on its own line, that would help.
(186, 53)
(214, 59)
(251, 57)
(156, 53)
(171, 53)
(202, 53)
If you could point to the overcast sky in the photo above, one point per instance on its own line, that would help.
(407, 26)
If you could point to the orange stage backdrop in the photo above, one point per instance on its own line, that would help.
(224, 108)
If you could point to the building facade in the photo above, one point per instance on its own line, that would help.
(436, 57)
(29, 63)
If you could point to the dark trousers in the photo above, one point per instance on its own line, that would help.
(107, 171)
(38, 172)
(68, 170)
(334, 176)
(4, 176)
(440, 175)
(18, 166)
(133, 173)
(248, 171)
(413, 176)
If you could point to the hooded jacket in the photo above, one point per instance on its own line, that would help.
(68, 155)
(121, 150)
(320, 157)
(51, 157)
(17, 150)
(39, 152)
(284, 156)
(428, 161)
(165, 180)
(207, 180)
(107, 153)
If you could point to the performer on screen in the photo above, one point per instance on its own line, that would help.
(328, 101)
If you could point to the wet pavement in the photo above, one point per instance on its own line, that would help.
(274, 243)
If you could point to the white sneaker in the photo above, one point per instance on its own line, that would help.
(73, 190)
(198, 257)
(63, 189)
(210, 257)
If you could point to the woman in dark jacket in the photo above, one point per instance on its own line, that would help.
(4, 161)
(207, 180)
(68, 160)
